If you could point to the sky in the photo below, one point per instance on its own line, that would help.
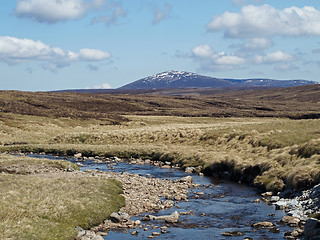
(74, 44)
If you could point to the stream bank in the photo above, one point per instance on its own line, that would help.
(211, 209)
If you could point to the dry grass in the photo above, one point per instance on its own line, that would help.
(271, 153)
(50, 205)
(263, 151)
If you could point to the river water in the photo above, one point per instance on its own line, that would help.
(225, 207)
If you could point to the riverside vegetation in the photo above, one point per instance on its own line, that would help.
(273, 153)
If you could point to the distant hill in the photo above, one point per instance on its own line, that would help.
(180, 79)
(294, 102)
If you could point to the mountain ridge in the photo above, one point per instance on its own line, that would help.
(181, 79)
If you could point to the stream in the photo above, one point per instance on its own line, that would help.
(226, 207)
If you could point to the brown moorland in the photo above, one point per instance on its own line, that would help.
(269, 138)
(297, 102)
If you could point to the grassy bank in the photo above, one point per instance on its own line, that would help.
(39, 200)
(272, 153)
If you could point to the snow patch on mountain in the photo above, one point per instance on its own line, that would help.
(180, 79)
(169, 76)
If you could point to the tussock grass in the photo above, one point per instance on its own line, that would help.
(51, 204)
(28, 165)
(263, 151)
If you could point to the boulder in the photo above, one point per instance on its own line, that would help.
(97, 237)
(168, 203)
(264, 224)
(290, 220)
(315, 193)
(172, 218)
(274, 199)
(187, 179)
(166, 167)
(87, 235)
(312, 229)
(189, 170)
(119, 217)
(266, 194)
(81, 232)
(281, 205)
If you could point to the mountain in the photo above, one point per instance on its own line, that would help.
(181, 79)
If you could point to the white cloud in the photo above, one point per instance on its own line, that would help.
(52, 11)
(230, 60)
(274, 57)
(87, 54)
(266, 21)
(252, 46)
(102, 86)
(209, 59)
(257, 43)
(15, 50)
(161, 14)
(215, 61)
(203, 51)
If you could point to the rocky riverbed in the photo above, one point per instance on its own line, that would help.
(304, 209)
(142, 194)
(174, 200)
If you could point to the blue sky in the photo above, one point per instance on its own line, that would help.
(71, 44)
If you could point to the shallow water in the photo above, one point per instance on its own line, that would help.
(226, 207)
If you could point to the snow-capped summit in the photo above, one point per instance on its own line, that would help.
(174, 79)
(168, 76)
(180, 79)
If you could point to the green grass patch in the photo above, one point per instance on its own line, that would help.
(49, 205)
(49, 208)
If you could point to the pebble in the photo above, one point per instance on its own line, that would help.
(263, 224)
(144, 194)
(134, 233)
(232, 234)
(274, 198)
(137, 223)
(266, 194)
(164, 228)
